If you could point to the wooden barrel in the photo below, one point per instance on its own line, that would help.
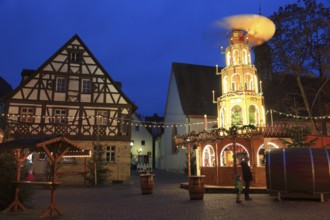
(147, 183)
(298, 170)
(196, 187)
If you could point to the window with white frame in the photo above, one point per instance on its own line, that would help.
(102, 118)
(110, 154)
(86, 86)
(60, 116)
(60, 84)
(27, 114)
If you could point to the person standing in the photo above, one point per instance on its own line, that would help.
(247, 177)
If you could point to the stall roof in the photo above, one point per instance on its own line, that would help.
(37, 143)
(25, 142)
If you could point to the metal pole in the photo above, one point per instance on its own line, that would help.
(95, 174)
(271, 117)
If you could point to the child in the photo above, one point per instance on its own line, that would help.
(238, 187)
(30, 176)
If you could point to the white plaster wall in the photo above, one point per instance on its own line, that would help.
(173, 114)
(138, 136)
(158, 153)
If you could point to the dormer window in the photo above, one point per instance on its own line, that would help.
(75, 57)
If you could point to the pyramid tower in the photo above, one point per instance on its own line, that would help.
(242, 102)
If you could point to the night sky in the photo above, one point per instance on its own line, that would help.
(135, 41)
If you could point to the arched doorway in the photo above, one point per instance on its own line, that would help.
(236, 115)
(262, 150)
(226, 154)
(208, 164)
(208, 156)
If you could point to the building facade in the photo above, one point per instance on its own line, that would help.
(189, 100)
(142, 145)
(72, 95)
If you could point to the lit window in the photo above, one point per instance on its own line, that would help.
(235, 82)
(86, 86)
(248, 82)
(60, 84)
(111, 154)
(236, 115)
(60, 116)
(102, 117)
(208, 156)
(27, 115)
(227, 155)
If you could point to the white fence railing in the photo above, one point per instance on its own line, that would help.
(145, 167)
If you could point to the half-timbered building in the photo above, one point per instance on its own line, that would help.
(72, 95)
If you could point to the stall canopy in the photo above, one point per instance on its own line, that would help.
(56, 147)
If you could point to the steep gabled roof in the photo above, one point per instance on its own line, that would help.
(46, 64)
(40, 142)
(195, 85)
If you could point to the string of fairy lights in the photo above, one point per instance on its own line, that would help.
(300, 117)
(126, 121)
(146, 124)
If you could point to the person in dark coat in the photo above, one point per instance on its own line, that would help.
(247, 177)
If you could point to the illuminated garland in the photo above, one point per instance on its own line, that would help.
(119, 120)
(301, 117)
(153, 124)
(194, 137)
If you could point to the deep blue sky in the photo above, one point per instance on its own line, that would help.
(135, 41)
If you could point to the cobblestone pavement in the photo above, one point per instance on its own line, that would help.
(169, 201)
